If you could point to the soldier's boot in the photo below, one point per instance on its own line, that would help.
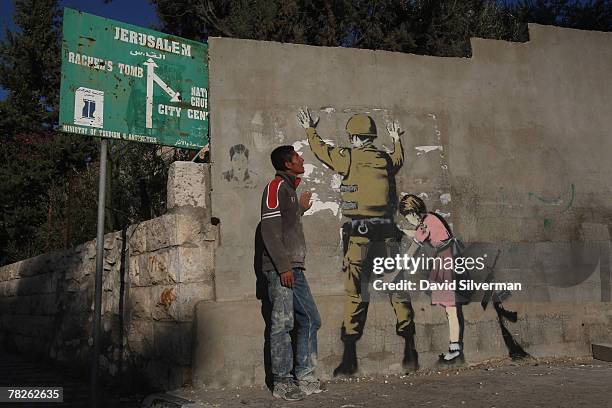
(348, 365)
(410, 362)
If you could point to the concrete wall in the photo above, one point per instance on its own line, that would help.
(523, 128)
(154, 274)
(512, 146)
(231, 352)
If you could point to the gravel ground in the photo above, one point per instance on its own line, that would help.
(567, 383)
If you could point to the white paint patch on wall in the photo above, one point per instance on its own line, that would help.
(426, 149)
(445, 198)
(257, 132)
(443, 214)
(424, 196)
(297, 146)
(279, 136)
(328, 109)
(318, 205)
(335, 182)
(308, 169)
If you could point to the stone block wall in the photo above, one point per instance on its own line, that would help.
(155, 272)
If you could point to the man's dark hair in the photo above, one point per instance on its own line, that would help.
(280, 155)
(237, 149)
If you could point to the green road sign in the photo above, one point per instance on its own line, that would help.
(125, 82)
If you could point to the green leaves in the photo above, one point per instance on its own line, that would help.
(431, 27)
(29, 66)
(48, 179)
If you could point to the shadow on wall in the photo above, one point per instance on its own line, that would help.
(504, 316)
(261, 291)
(47, 315)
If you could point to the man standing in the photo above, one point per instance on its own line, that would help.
(369, 200)
(288, 291)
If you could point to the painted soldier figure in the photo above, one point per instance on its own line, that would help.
(369, 201)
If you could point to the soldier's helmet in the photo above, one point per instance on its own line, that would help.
(361, 125)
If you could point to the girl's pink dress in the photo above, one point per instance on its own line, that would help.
(433, 230)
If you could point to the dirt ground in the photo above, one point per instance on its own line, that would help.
(562, 383)
(19, 371)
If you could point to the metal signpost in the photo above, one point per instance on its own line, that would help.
(125, 82)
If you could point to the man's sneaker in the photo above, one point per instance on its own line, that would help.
(311, 386)
(288, 391)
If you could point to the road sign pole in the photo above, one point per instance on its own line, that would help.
(99, 270)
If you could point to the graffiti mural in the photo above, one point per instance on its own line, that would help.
(515, 350)
(432, 229)
(239, 172)
(368, 200)
(362, 168)
(492, 169)
(380, 226)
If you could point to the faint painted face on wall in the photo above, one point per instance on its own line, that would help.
(240, 164)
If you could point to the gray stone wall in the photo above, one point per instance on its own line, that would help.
(155, 273)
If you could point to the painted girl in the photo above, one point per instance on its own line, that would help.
(432, 229)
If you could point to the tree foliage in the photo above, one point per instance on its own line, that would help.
(432, 27)
(48, 179)
(35, 158)
(29, 59)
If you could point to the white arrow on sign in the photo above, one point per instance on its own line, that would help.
(151, 78)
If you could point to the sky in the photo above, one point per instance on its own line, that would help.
(138, 12)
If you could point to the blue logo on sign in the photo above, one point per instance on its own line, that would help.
(88, 109)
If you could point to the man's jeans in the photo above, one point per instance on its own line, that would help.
(289, 304)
